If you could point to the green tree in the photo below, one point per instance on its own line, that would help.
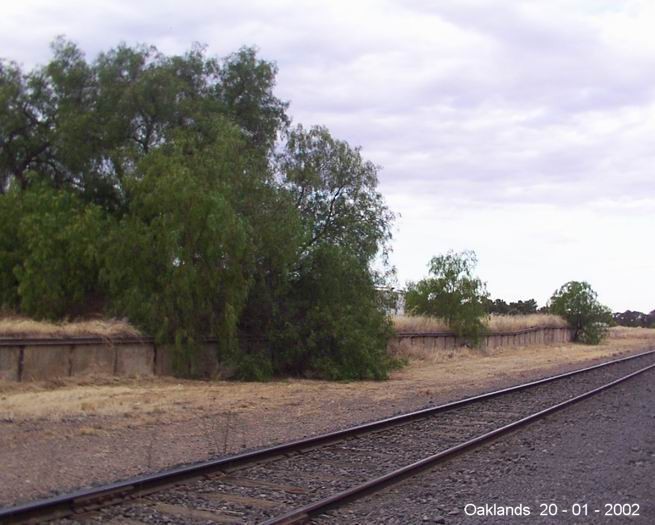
(451, 293)
(497, 306)
(180, 259)
(25, 124)
(11, 252)
(314, 291)
(526, 307)
(500, 307)
(577, 302)
(85, 125)
(49, 251)
(179, 194)
(246, 92)
(333, 324)
(335, 192)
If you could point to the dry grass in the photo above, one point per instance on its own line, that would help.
(626, 332)
(474, 364)
(70, 435)
(413, 353)
(495, 323)
(168, 399)
(418, 324)
(17, 326)
(513, 323)
(620, 339)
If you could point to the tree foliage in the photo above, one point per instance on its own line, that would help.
(452, 292)
(635, 319)
(577, 302)
(180, 258)
(172, 190)
(333, 325)
(49, 251)
(520, 307)
(335, 193)
(86, 125)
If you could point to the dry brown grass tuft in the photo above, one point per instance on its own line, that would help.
(627, 332)
(410, 353)
(17, 326)
(418, 324)
(495, 323)
(513, 323)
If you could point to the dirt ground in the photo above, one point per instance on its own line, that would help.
(65, 434)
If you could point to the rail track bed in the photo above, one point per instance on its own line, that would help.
(293, 482)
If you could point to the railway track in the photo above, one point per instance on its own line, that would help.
(292, 482)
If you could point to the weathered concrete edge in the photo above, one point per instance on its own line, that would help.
(48, 358)
(88, 340)
(436, 341)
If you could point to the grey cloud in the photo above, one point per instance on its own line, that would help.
(503, 107)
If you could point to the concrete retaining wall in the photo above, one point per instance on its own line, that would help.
(442, 341)
(34, 360)
(37, 360)
(93, 359)
(10, 363)
(134, 359)
(41, 363)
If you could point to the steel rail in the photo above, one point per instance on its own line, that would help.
(303, 514)
(85, 499)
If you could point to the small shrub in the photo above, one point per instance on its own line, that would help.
(577, 303)
(334, 326)
(252, 367)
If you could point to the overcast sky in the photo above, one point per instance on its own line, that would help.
(523, 130)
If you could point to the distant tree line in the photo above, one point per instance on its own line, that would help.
(173, 190)
(635, 319)
(501, 307)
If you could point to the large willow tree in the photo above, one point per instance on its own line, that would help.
(173, 190)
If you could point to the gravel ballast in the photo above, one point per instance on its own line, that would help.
(599, 453)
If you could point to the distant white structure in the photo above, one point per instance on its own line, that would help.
(393, 300)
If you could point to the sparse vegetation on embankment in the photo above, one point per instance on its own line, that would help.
(494, 323)
(16, 326)
(23, 327)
